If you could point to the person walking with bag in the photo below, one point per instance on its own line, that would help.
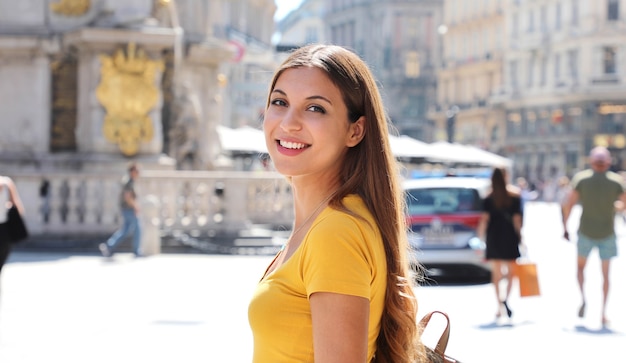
(9, 196)
(341, 289)
(598, 191)
(129, 205)
(500, 226)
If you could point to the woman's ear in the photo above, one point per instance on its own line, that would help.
(356, 132)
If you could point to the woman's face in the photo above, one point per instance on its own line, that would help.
(306, 124)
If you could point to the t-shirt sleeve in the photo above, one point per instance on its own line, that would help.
(336, 257)
(575, 183)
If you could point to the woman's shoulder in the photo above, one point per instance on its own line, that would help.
(351, 227)
(354, 213)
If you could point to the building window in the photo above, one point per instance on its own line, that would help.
(464, 48)
(475, 45)
(544, 71)
(487, 44)
(612, 10)
(531, 123)
(531, 21)
(387, 55)
(557, 69)
(572, 61)
(514, 124)
(515, 26)
(513, 74)
(412, 65)
(612, 124)
(574, 119)
(531, 72)
(557, 17)
(544, 19)
(499, 36)
(575, 12)
(608, 58)
(495, 134)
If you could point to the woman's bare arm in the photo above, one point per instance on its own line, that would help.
(15, 196)
(340, 324)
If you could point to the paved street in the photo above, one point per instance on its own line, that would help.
(192, 308)
(166, 308)
(544, 328)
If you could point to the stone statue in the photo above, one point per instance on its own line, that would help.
(184, 133)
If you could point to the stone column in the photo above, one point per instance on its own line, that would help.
(150, 234)
(201, 71)
(25, 98)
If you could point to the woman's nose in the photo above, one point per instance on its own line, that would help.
(291, 121)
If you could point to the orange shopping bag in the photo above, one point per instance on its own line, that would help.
(526, 272)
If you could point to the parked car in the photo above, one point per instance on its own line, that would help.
(443, 215)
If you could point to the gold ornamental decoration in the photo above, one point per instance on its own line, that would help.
(71, 7)
(127, 91)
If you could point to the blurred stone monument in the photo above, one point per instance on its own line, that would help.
(88, 85)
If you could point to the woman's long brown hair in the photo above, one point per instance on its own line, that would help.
(371, 171)
(500, 194)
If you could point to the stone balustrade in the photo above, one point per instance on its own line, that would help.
(200, 203)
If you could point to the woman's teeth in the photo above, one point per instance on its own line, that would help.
(292, 145)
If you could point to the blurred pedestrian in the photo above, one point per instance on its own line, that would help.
(598, 191)
(563, 189)
(340, 290)
(129, 206)
(525, 192)
(500, 226)
(9, 196)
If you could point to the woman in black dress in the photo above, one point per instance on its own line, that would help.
(501, 224)
(8, 197)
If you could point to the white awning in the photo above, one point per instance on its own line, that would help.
(407, 147)
(242, 140)
(466, 154)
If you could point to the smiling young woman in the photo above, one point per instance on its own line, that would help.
(341, 289)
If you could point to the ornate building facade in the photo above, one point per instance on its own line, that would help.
(565, 84)
(471, 71)
(398, 39)
(87, 84)
(303, 25)
(538, 81)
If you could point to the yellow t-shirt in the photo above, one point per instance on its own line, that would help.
(340, 254)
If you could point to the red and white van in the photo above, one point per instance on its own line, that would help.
(443, 215)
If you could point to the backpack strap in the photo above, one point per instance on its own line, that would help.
(442, 344)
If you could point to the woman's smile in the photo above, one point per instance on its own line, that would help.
(292, 145)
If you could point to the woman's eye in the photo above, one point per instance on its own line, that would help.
(278, 102)
(316, 109)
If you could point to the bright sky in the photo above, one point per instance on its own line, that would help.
(284, 7)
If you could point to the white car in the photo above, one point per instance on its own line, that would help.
(443, 215)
